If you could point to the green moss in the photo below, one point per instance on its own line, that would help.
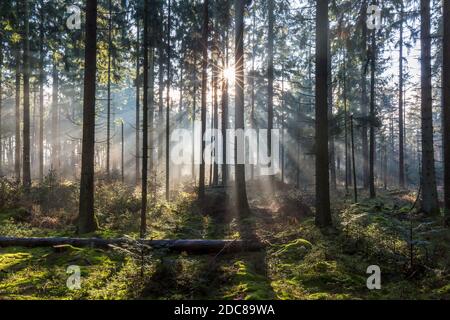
(248, 284)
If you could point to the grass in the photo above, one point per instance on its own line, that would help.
(300, 261)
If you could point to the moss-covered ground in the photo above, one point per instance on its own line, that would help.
(300, 261)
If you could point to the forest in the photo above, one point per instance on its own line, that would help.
(224, 150)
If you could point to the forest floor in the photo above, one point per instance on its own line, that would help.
(300, 261)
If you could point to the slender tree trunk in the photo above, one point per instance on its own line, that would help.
(160, 95)
(138, 103)
(201, 182)
(241, 192)
(108, 98)
(41, 98)
(344, 95)
(252, 79)
(355, 187)
(143, 228)
(151, 99)
(168, 106)
(323, 213)
(429, 191)
(332, 151)
(401, 164)
(282, 111)
(26, 100)
(216, 108)
(122, 153)
(225, 105)
(194, 112)
(364, 109)
(17, 118)
(86, 219)
(270, 75)
(372, 118)
(55, 137)
(446, 108)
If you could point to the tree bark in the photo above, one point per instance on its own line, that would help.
(168, 105)
(270, 75)
(241, 192)
(182, 245)
(323, 212)
(364, 111)
(401, 161)
(17, 117)
(446, 108)
(26, 100)
(86, 219)
(372, 117)
(201, 182)
(41, 97)
(143, 227)
(138, 103)
(55, 136)
(429, 191)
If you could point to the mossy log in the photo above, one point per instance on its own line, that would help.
(198, 246)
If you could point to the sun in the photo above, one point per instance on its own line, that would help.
(228, 73)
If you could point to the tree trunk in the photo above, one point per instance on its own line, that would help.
(182, 245)
(270, 76)
(41, 98)
(241, 192)
(143, 227)
(168, 106)
(225, 104)
(108, 98)
(429, 191)
(332, 150)
(17, 117)
(364, 111)
(55, 137)
(372, 118)
(323, 213)
(201, 183)
(138, 103)
(401, 161)
(86, 219)
(26, 100)
(446, 109)
(215, 73)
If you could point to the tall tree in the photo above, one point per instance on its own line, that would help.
(241, 192)
(145, 125)
(169, 27)
(108, 98)
(41, 95)
(364, 111)
(86, 219)
(401, 161)
(17, 106)
(446, 108)
(138, 100)
(323, 212)
(270, 74)
(55, 134)
(26, 99)
(201, 183)
(372, 149)
(428, 178)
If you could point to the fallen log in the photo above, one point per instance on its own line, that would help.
(197, 246)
